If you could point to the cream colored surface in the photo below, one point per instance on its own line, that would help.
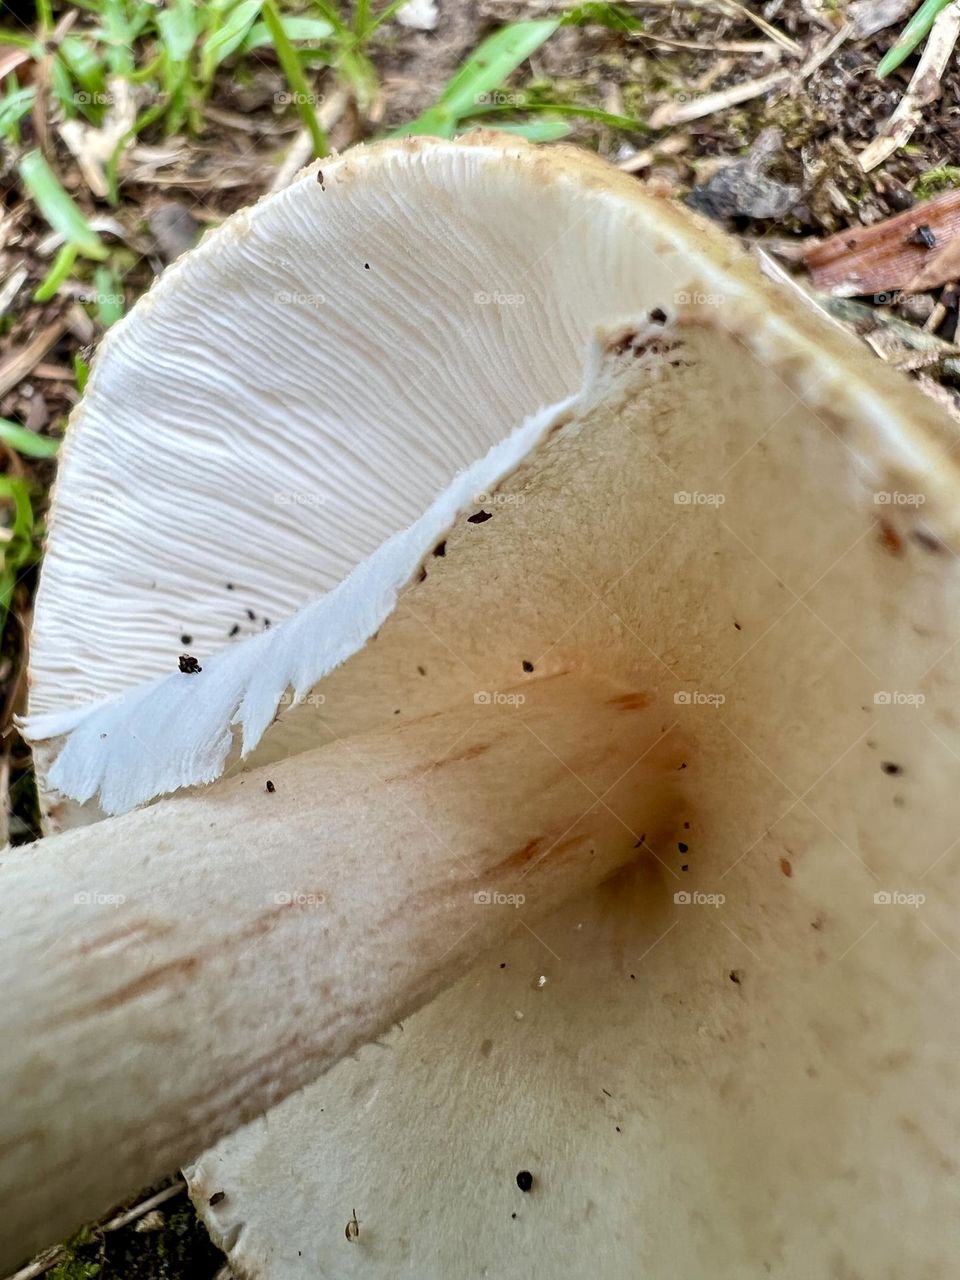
(180, 970)
(760, 1086)
(763, 1086)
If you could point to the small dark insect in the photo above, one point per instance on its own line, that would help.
(889, 767)
(270, 787)
(352, 1229)
(251, 615)
(736, 975)
(479, 517)
(320, 179)
(217, 1197)
(658, 315)
(185, 639)
(189, 665)
(682, 847)
(524, 1180)
(923, 236)
(366, 266)
(527, 666)
(235, 629)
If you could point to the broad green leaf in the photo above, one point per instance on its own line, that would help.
(57, 206)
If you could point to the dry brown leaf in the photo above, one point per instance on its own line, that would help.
(891, 254)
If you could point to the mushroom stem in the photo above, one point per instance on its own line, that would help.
(171, 974)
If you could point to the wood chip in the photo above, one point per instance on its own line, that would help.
(18, 364)
(889, 255)
(695, 108)
(923, 89)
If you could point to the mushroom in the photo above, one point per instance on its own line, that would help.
(545, 429)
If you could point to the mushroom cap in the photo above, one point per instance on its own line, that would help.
(740, 1063)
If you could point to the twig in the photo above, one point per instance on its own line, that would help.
(51, 1257)
(673, 113)
(20, 363)
(923, 89)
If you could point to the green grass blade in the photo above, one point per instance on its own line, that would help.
(582, 110)
(917, 29)
(492, 61)
(27, 442)
(290, 63)
(485, 70)
(298, 31)
(13, 107)
(534, 130)
(615, 17)
(110, 299)
(229, 36)
(62, 266)
(57, 206)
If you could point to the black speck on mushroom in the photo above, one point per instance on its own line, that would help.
(479, 517)
(736, 976)
(270, 787)
(185, 639)
(684, 848)
(423, 574)
(527, 666)
(658, 316)
(251, 615)
(888, 766)
(189, 665)
(422, 670)
(217, 1197)
(235, 629)
(524, 1179)
(441, 548)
